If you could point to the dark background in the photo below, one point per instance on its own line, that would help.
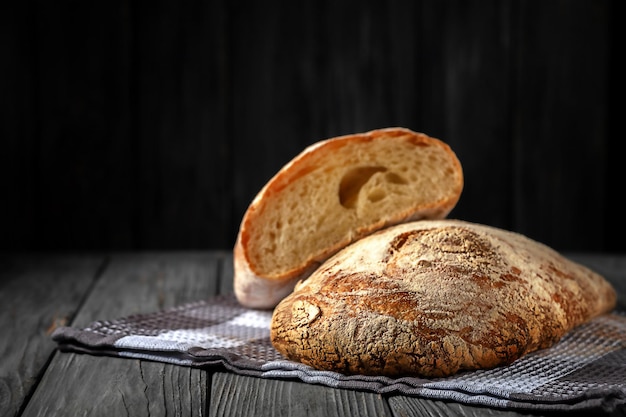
(147, 125)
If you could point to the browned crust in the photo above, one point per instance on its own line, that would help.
(433, 298)
(252, 288)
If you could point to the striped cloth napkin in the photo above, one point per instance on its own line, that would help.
(586, 369)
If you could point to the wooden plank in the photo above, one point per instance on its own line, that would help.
(560, 123)
(18, 113)
(105, 386)
(614, 219)
(238, 395)
(409, 406)
(37, 294)
(466, 73)
(183, 153)
(132, 283)
(145, 282)
(83, 153)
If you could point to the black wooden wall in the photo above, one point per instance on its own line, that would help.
(132, 124)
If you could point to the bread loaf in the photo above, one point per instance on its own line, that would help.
(333, 193)
(435, 297)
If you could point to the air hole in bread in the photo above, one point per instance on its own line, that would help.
(353, 181)
(376, 195)
(395, 178)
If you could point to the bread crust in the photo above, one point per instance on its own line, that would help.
(433, 298)
(258, 289)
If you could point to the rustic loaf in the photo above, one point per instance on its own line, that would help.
(435, 297)
(333, 193)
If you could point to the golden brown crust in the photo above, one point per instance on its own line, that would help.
(263, 287)
(433, 298)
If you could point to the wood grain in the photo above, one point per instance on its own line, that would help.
(549, 177)
(37, 294)
(131, 284)
(182, 152)
(146, 282)
(78, 384)
(464, 46)
(246, 396)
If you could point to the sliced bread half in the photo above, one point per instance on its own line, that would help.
(335, 192)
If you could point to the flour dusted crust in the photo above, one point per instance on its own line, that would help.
(333, 193)
(433, 298)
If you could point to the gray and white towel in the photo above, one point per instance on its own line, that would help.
(586, 369)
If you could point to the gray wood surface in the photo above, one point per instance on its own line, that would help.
(37, 294)
(131, 284)
(246, 396)
(35, 380)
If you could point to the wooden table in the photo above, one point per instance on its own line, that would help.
(40, 292)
